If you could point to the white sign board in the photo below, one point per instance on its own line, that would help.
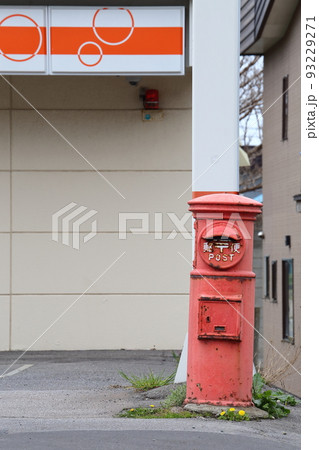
(92, 40)
(23, 43)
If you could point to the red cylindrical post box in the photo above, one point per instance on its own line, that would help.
(222, 292)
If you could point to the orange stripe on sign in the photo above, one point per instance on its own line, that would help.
(143, 41)
(22, 40)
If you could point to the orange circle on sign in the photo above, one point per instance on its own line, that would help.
(90, 43)
(40, 38)
(108, 42)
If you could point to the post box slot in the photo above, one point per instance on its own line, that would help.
(220, 318)
(221, 238)
(222, 231)
(218, 298)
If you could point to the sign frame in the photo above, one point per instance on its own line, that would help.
(130, 64)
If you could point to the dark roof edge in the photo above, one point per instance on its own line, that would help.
(262, 41)
(264, 20)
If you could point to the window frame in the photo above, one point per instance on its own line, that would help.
(274, 281)
(288, 304)
(285, 88)
(267, 276)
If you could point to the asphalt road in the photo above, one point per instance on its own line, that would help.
(68, 400)
(134, 440)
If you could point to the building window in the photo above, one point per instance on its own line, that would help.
(297, 199)
(274, 280)
(288, 299)
(266, 277)
(285, 108)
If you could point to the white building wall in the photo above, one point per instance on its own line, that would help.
(141, 301)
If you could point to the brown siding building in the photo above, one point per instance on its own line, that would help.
(281, 184)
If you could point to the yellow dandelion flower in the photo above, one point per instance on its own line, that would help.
(132, 409)
(222, 413)
(232, 409)
(241, 412)
(152, 406)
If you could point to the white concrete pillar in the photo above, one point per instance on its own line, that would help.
(214, 55)
(215, 60)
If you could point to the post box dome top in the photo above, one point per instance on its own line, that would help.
(212, 202)
(224, 199)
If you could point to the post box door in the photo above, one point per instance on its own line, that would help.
(220, 318)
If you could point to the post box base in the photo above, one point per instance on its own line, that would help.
(251, 411)
(224, 404)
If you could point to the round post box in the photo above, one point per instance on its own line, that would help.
(222, 292)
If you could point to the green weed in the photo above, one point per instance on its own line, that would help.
(274, 402)
(176, 397)
(156, 413)
(148, 381)
(161, 413)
